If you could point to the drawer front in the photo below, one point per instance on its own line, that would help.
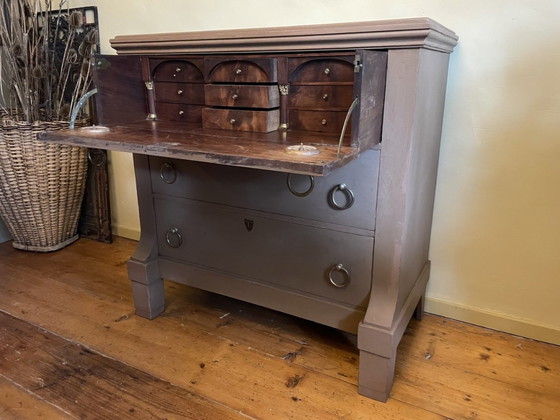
(293, 256)
(322, 70)
(304, 197)
(242, 96)
(323, 121)
(179, 112)
(320, 97)
(260, 70)
(242, 120)
(189, 93)
(177, 71)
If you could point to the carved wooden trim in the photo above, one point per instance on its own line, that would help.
(398, 33)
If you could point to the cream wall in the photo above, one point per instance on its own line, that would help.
(496, 232)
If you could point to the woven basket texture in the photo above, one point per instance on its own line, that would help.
(41, 185)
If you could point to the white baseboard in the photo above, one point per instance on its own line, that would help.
(125, 232)
(494, 320)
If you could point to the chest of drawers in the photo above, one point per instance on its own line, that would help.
(293, 168)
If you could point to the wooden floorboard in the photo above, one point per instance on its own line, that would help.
(71, 347)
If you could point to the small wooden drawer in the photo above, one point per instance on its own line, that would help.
(179, 112)
(187, 93)
(249, 245)
(242, 120)
(320, 97)
(322, 70)
(242, 96)
(177, 71)
(323, 121)
(258, 70)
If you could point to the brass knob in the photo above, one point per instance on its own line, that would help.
(234, 96)
(232, 121)
(178, 69)
(238, 71)
(324, 122)
(181, 112)
(179, 92)
(327, 71)
(325, 97)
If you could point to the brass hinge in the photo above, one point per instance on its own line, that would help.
(357, 63)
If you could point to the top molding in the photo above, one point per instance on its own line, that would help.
(385, 34)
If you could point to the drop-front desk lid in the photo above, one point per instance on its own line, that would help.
(227, 147)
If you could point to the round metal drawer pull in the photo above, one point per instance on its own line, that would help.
(178, 69)
(238, 71)
(181, 112)
(168, 173)
(324, 122)
(347, 192)
(340, 268)
(327, 71)
(232, 121)
(303, 193)
(173, 238)
(325, 97)
(179, 92)
(234, 96)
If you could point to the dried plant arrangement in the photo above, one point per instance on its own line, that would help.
(45, 65)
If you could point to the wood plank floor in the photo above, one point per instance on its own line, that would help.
(72, 348)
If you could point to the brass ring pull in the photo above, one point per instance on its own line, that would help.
(340, 268)
(234, 96)
(173, 238)
(178, 69)
(327, 71)
(181, 112)
(179, 92)
(168, 173)
(232, 121)
(347, 192)
(96, 157)
(238, 71)
(303, 193)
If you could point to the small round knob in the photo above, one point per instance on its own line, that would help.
(181, 112)
(179, 92)
(325, 97)
(234, 96)
(327, 71)
(238, 71)
(324, 122)
(178, 69)
(232, 121)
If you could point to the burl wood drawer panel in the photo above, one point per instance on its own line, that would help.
(322, 121)
(244, 244)
(268, 191)
(242, 120)
(321, 70)
(227, 70)
(189, 93)
(320, 97)
(242, 96)
(177, 71)
(179, 112)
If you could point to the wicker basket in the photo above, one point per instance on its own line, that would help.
(41, 186)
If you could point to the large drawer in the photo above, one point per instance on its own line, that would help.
(270, 192)
(322, 262)
(240, 119)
